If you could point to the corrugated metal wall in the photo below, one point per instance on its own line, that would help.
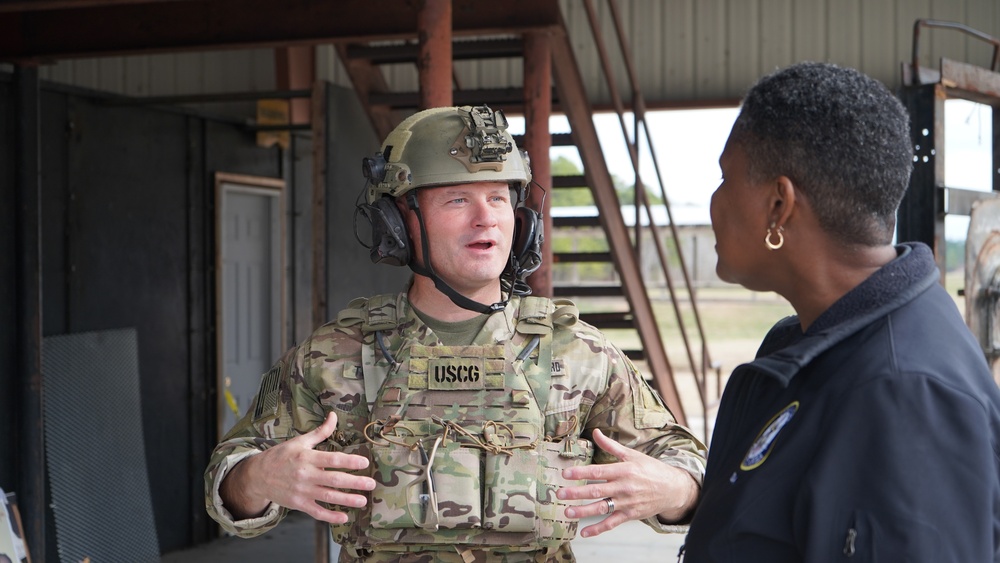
(684, 50)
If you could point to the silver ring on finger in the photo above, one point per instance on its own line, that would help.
(611, 506)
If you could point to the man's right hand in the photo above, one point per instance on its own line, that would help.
(295, 475)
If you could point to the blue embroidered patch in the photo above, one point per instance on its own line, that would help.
(761, 446)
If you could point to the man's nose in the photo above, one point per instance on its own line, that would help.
(485, 213)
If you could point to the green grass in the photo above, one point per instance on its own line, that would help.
(726, 313)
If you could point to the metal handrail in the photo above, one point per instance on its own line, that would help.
(699, 372)
(950, 25)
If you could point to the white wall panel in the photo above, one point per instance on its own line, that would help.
(808, 26)
(170, 74)
(982, 15)
(677, 73)
(742, 43)
(843, 21)
(907, 12)
(710, 50)
(878, 38)
(776, 35)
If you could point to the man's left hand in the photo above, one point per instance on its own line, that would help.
(638, 485)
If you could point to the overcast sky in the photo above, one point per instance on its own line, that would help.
(688, 144)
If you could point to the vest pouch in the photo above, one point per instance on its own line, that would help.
(556, 456)
(341, 531)
(455, 471)
(394, 502)
(511, 482)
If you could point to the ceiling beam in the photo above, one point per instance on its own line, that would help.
(58, 31)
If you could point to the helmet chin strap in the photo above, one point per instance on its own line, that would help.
(428, 270)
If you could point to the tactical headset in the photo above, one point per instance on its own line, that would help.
(439, 147)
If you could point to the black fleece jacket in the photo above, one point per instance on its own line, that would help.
(873, 436)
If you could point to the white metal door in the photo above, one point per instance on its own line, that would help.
(249, 293)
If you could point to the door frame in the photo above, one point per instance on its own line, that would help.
(225, 183)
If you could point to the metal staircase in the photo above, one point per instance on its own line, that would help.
(363, 59)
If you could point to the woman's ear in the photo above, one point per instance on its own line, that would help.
(783, 201)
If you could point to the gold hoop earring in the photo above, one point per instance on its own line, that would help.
(781, 238)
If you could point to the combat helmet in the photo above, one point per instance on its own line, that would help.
(439, 147)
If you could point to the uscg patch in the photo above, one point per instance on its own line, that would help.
(456, 373)
(761, 446)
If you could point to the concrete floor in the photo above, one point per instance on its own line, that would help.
(294, 541)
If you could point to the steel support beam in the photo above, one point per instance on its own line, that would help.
(73, 31)
(295, 69)
(572, 96)
(538, 141)
(434, 63)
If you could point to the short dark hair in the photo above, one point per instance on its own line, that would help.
(841, 136)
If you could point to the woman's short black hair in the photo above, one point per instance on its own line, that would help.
(842, 137)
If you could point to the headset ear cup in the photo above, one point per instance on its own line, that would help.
(527, 247)
(390, 242)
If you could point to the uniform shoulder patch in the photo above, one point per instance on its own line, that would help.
(762, 445)
(267, 395)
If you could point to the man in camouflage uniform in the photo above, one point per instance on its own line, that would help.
(430, 426)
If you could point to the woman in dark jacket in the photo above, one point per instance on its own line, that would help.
(867, 428)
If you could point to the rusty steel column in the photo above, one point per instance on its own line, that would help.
(434, 63)
(537, 141)
(295, 69)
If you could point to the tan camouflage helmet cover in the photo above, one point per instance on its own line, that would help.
(443, 146)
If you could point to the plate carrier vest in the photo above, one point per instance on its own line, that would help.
(457, 439)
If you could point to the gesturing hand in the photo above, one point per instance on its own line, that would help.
(295, 475)
(639, 486)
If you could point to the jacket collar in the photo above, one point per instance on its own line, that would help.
(786, 349)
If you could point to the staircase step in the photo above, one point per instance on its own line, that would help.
(636, 356)
(583, 221)
(576, 257)
(609, 320)
(569, 181)
(558, 140)
(588, 291)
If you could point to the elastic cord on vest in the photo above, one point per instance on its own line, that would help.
(380, 338)
(428, 270)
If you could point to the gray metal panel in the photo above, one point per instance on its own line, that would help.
(54, 125)
(350, 271)
(126, 263)
(299, 239)
(96, 449)
(123, 190)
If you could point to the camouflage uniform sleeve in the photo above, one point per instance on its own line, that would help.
(273, 416)
(633, 414)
